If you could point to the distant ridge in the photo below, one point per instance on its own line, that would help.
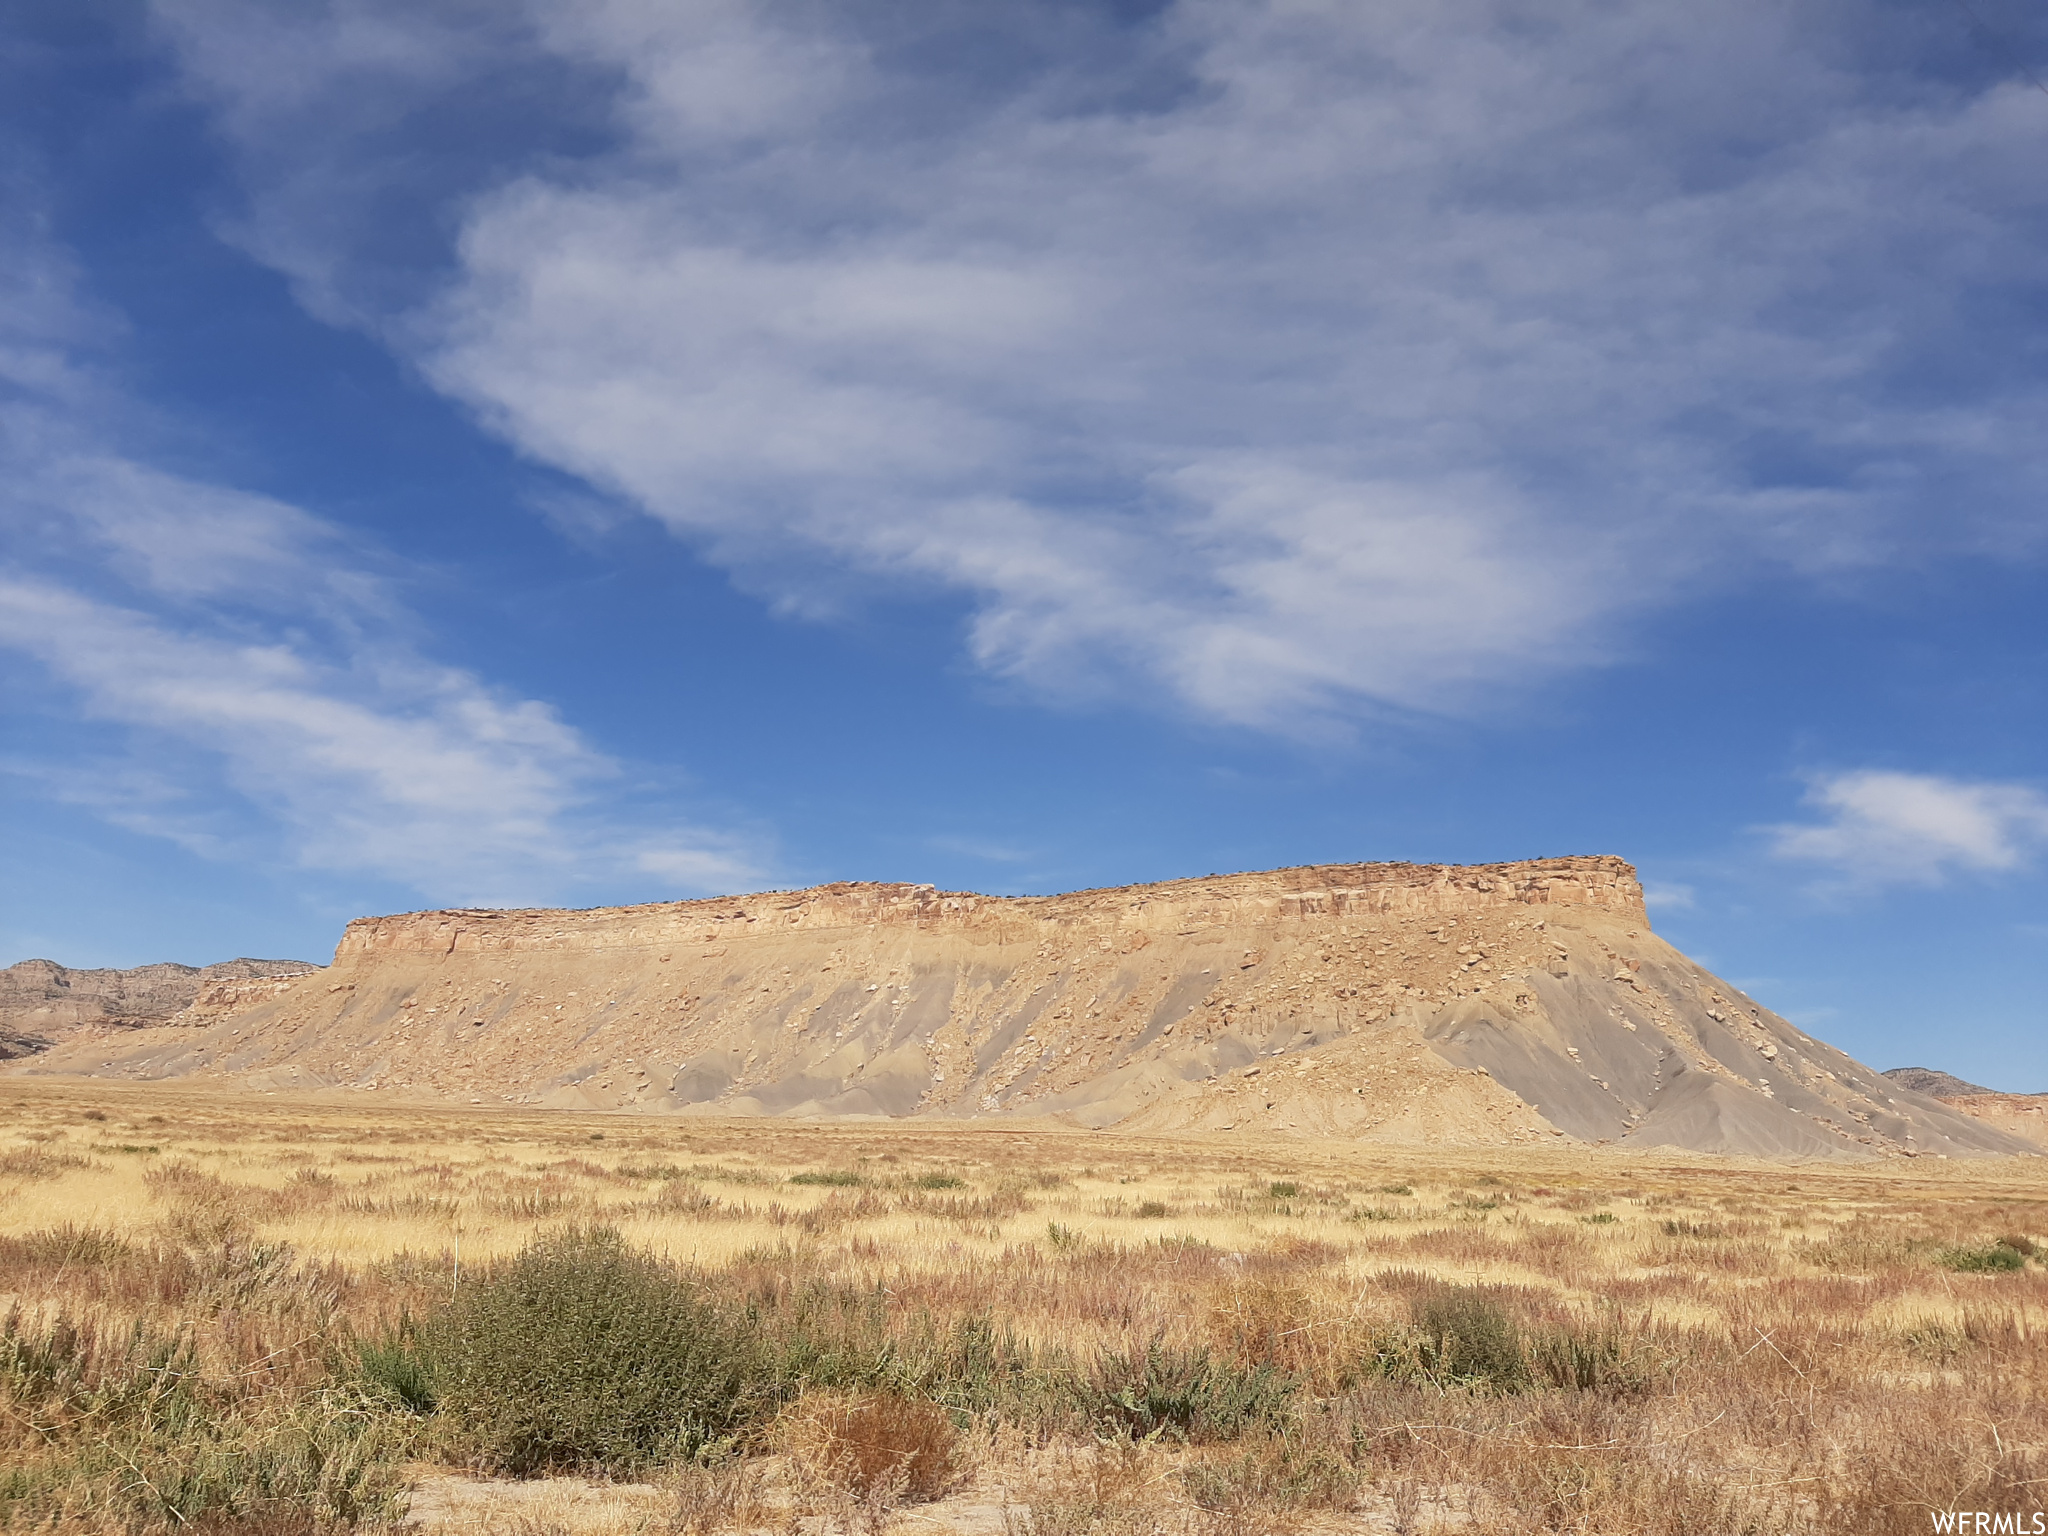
(1526, 1003)
(43, 1003)
(2020, 1114)
(1938, 1085)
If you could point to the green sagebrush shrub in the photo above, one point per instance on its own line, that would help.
(396, 1368)
(1991, 1258)
(1184, 1394)
(1466, 1336)
(585, 1353)
(1470, 1337)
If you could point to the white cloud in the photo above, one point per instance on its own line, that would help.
(184, 541)
(985, 849)
(383, 765)
(1667, 895)
(1279, 360)
(368, 785)
(1811, 1019)
(1889, 828)
(279, 702)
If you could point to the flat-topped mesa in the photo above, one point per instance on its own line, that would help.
(1486, 1004)
(1320, 890)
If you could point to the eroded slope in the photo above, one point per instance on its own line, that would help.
(2024, 1115)
(1489, 1003)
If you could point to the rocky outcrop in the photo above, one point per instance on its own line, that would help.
(1939, 1085)
(220, 996)
(43, 1003)
(1329, 891)
(2024, 1115)
(1488, 1004)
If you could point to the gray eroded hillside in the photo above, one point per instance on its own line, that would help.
(1487, 1004)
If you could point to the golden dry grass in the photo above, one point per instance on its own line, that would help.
(1761, 1347)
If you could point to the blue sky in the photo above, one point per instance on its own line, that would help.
(545, 453)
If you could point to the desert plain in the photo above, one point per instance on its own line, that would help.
(228, 1311)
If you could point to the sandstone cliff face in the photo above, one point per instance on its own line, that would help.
(1489, 1004)
(42, 1002)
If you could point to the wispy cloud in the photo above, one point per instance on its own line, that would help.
(279, 703)
(1882, 827)
(1667, 895)
(985, 849)
(1819, 1017)
(1276, 362)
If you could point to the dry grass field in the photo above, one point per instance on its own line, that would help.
(253, 1315)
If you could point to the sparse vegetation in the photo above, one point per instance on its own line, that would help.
(1189, 1394)
(879, 1448)
(1982, 1258)
(1468, 1338)
(585, 1354)
(285, 1315)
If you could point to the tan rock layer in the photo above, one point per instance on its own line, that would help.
(2019, 1114)
(1330, 890)
(42, 1002)
(1474, 1004)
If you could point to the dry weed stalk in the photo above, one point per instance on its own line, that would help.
(1637, 1346)
(727, 1495)
(879, 1448)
